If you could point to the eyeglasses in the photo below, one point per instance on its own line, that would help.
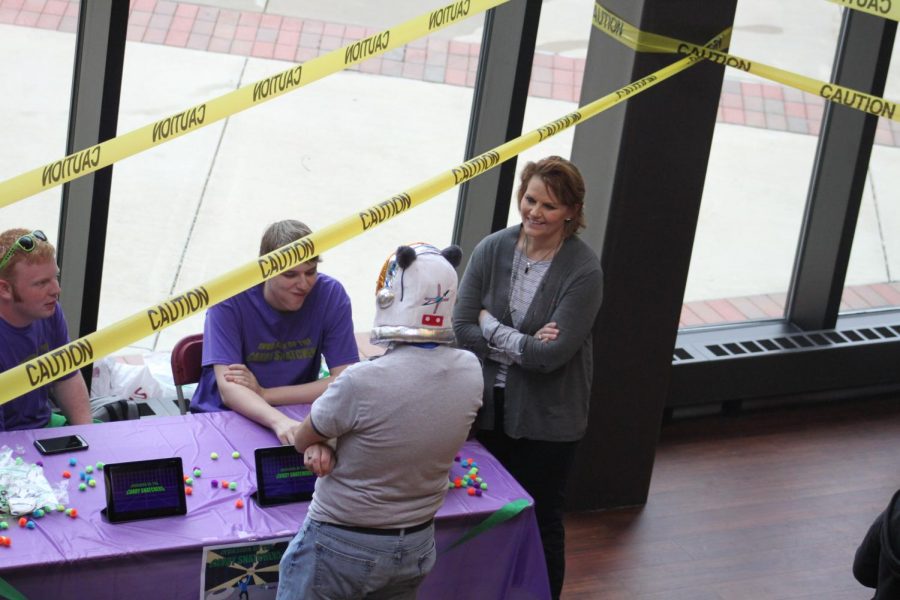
(25, 243)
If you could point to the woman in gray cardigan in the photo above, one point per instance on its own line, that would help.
(526, 305)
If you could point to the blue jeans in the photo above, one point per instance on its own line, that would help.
(327, 562)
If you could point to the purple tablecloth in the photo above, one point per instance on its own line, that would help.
(161, 558)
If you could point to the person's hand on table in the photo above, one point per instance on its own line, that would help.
(320, 459)
(285, 429)
(241, 375)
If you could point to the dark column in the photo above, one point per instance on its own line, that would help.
(839, 173)
(94, 112)
(644, 164)
(498, 109)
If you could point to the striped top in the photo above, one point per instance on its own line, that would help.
(523, 285)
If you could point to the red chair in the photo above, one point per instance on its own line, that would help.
(186, 364)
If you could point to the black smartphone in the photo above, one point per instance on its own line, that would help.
(56, 445)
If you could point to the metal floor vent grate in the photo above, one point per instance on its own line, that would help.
(800, 341)
(680, 354)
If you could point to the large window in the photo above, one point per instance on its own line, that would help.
(760, 165)
(36, 61)
(874, 270)
(556, 75)
(156, 195)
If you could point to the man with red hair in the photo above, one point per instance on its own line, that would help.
(31, 324)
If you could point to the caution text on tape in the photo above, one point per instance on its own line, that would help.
(829, 91)
(888, 9)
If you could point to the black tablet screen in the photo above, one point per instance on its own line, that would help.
(144, 489)
(281, 476)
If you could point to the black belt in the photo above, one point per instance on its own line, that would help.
(378, 531)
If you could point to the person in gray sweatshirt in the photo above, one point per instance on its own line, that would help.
(370, 526)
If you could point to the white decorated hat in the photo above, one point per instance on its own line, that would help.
(415, 294)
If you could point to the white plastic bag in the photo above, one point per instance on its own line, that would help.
(23, 487)
(150, 380)
(124, 380)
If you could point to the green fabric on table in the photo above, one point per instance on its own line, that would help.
(57, 420)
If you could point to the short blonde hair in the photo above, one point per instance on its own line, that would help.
(282, 233)
(42, 252)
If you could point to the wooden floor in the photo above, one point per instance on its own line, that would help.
(765, 505)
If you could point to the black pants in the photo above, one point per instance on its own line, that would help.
(542, 468)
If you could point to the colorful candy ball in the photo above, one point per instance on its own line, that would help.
(235, 454)
(73, 461)
(82, 486)
(232, 486)
(214, 455)
(239, 503)
(197, 472)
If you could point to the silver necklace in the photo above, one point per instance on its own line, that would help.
(530, 263)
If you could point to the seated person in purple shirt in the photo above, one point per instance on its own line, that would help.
(32, 324)
(263, 347)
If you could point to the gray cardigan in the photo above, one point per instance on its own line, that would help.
(547, 396)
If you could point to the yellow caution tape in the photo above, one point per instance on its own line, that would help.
(888, 9)
(640, 41)
(191, 119)
(78, 353)
(830, 91)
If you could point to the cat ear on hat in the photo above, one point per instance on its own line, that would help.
(405, 256)
(453, 254)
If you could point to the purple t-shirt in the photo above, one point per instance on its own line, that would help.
(280, 348)
(19, 344)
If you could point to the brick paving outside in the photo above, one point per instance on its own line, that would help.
(771, 306)
(264, 35)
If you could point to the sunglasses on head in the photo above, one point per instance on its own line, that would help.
(25, 243)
